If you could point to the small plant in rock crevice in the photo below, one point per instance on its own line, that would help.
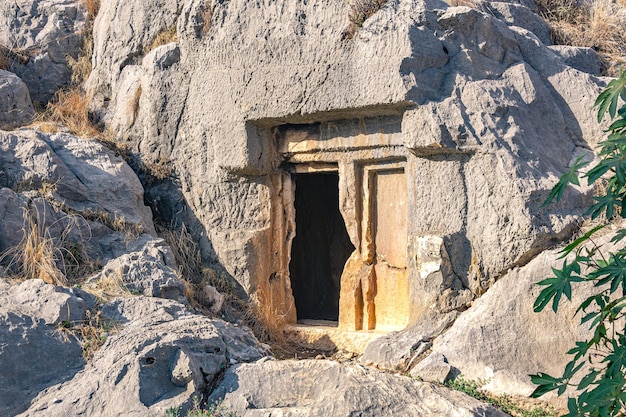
(164, 37)
(360, 11)
(504, 402)
(91, 333)
(214, 410)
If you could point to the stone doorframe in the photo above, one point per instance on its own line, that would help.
(358, 160)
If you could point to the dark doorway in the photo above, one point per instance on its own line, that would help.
(320, 248)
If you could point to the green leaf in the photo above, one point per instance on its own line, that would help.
(558, 286)
(607, 100)
(569, 248)
(614, 272)
(588, 379)
(570, 177)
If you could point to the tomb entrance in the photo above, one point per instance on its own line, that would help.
(320, 248)
(343, 209)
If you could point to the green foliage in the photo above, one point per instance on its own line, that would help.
(214, 410)
(503, 402)
(602, 358)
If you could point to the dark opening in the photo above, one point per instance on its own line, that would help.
(320, 248)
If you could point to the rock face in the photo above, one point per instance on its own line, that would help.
(448, 120)
(325, 388)
(151, 271)
(500, 339)
(16, 109)
(29, 314)
(161, 358)
(50, 303)
(74, 190)
(40, 35)
(583, 59)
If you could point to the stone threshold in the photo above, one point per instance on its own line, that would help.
(325, 335)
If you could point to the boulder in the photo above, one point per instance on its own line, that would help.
(16, 109)
(161, 358)
(82, 174)
(501, 341)
(522, 16)
(326, 388)
(435, 368)
(50, 303)
(39, 35)
(399, 351)
(151, 271)
(34, 356)
(481, 113)
(582, 59)
(76, 191)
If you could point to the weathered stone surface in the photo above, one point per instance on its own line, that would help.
(83, 174)
(479, 116)
(502, 341)
(519, 15)
(435, 368)
(582, 59)
(162, 356)
(151, 271)
(16, 109)
(76, 190)
(398, 351)
(325, 388)
(41, 34)
(33, 356)
(51, 303)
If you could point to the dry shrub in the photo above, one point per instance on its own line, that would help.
(164, 37)
(92, 7)
(266, 322)
(593, 25)
(360, 11)
(70, 109)
(194, 275)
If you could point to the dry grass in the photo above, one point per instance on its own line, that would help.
(360, 11)
(37, 256)
(133, 103)
(61, 260)
(92, 7)
(81, 66)
(160, 169)
(266, 322)
(594, 25)
(194, 275)
(256, 312)
(207, 15)
(108, 286)
(474, 4)
(70, 109)
(164, 37)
